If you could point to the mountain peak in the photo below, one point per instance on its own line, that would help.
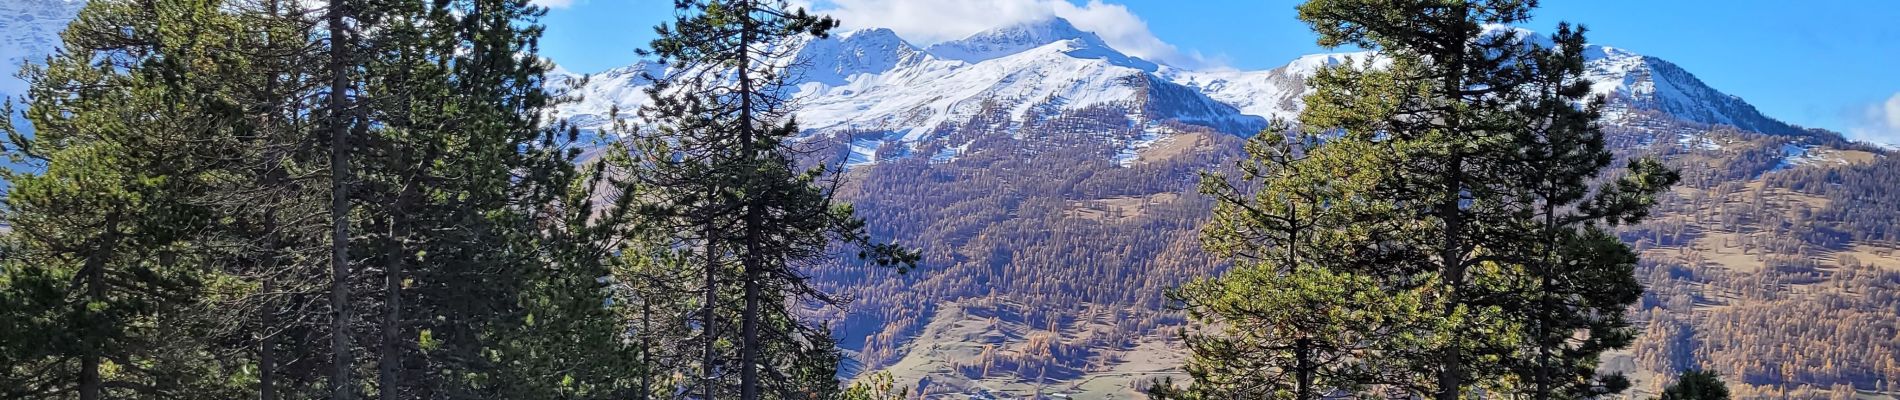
(1039, 32)
(1057, 27)
(1632, 80)
(878, 34)
(833, 60)
(1310, 64)
(1011, 39)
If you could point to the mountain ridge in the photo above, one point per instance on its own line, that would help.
(873, 80)
(1052, 191)
(838, 69)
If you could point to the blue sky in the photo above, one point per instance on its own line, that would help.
(1830, 64)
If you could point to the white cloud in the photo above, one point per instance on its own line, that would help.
(1880, 123)
(925, 22)
(553, 3)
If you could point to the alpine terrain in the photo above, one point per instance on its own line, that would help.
(1052, 178)
(1049, 181)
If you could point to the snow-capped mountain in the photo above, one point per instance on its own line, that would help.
(29, 30)
(1008, 40)
(872, 51)
(1636, 81)
(1629, 80)
(875, 81)
(1274, 93)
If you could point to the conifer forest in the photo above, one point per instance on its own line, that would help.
(411, 199)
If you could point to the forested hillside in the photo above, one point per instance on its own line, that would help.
(401, 199)
(1773, 265)
(1774, 262)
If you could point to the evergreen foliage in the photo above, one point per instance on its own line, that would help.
(1450, 184)
(720, 174)
(107, 274)
(173, 239)
(1696, 385)
(351, 198)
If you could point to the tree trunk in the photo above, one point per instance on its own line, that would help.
(267, 320)
(391, 359)
(267, 357)
(1303, 349)
(91, 384)
(340, 384)
(1451, 376)
(1544, 310)
(749, 375)
(95, 277)
(1451, 358)
(646, 348)
(712, 301)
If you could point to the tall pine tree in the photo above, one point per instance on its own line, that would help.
(724, 175)
(1582, 276)
(1293, 320)
(1478, 122)
(1455, 173)
(197, 159)
(107, 276)
(489, 277)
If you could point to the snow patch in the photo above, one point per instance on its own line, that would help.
(1130, 152)
(1698, 141)
(950, 153)
(1795, 155)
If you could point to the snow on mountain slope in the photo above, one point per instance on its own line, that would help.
(1629, 80)
(1642, 82)
(600, 95)
(1272, 94)
(874, 81)
(1007, 40)
(29, 30)
(833, 61)
(945, 91)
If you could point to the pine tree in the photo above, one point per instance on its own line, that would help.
(1291, 322)
(1584, 276)
(1421, 107)
(1696, 385)
(182, 190)
(879, 386)
(652, 282)
(1480, 127)
(489, 267)
(339, 117)
(723, 170)
(1450, 181)
(106, 281)
(267, 193)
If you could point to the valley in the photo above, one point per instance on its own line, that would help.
(1049, 182)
